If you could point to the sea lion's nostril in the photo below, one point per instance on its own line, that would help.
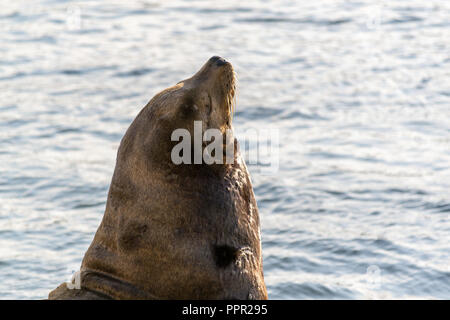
(214, 59)
(221, 62)
(218, 61)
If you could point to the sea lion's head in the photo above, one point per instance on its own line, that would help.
(208, 96)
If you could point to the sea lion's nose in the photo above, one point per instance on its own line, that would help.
(218, 61)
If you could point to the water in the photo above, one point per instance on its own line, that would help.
(359, 90)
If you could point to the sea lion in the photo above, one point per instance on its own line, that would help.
(176, 231)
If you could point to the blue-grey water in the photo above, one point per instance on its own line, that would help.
(359, 205)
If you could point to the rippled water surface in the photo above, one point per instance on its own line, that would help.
(359, 91)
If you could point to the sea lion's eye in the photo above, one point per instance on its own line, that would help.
(188, 109)
(208, 108)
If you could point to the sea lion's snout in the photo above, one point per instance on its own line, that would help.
(213, 90)
(218, 61)
(215, 67)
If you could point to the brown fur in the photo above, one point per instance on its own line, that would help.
(176, 231)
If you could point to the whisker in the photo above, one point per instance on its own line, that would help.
(234, 91)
